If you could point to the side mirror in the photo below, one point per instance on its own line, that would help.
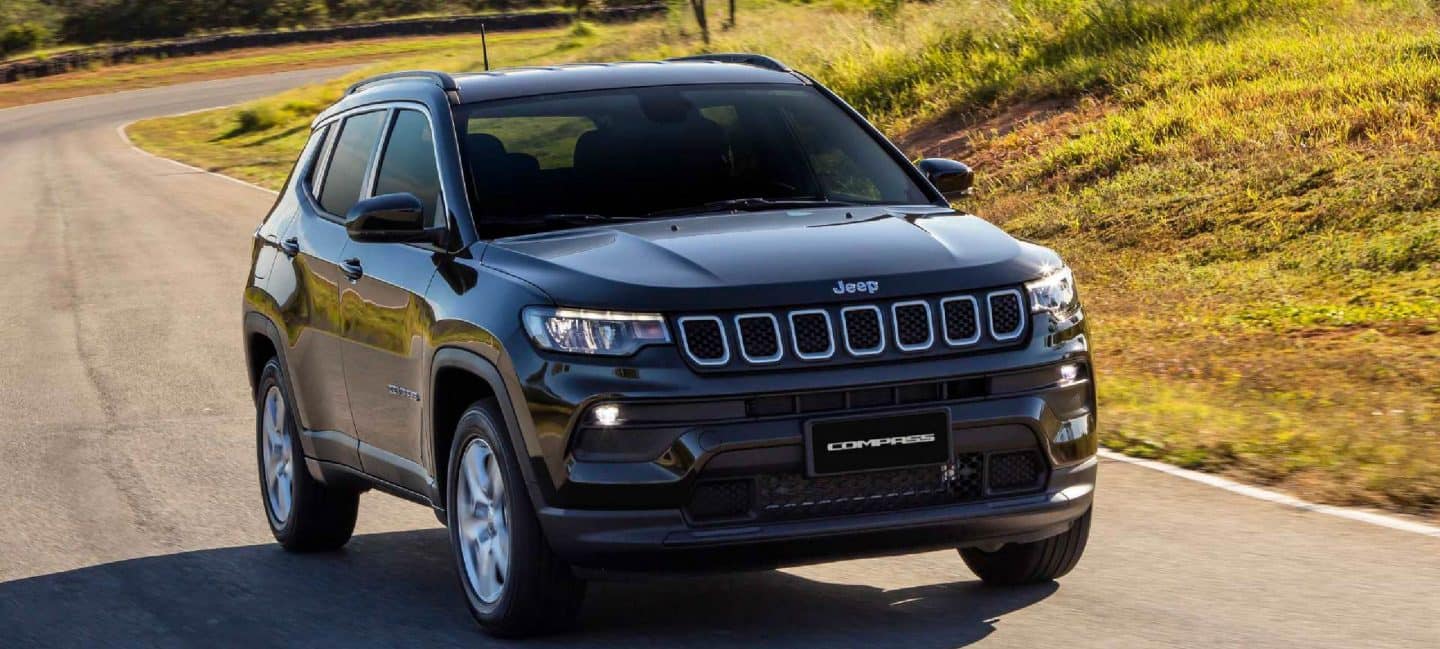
(391, 218)
(953, 179)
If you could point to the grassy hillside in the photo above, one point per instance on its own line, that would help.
(1249, 191)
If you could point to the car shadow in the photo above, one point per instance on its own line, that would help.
(398, 589)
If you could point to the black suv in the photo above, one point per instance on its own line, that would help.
(691, 315)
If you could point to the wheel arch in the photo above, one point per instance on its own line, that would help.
(458, 378)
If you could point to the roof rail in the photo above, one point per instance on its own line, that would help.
(757, 60)
(445, 81)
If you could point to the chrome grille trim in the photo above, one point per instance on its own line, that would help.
(947, 317)
(929, 325)
(879, 322)
(1003, 336)
(945, 326)
(829, 335)
(685, 342)
(779, 340)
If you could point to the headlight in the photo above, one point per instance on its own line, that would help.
(606, 333)
(1054, 293)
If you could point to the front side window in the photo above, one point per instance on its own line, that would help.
(345, 177)
(408, 163)
(647, 152)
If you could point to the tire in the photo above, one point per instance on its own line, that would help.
(1040, 561)
(537, 591)
(304, 514)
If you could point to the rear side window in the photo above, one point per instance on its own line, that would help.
(310, 161)
(408, 165)
(345, 177)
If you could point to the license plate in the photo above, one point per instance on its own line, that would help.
(873, 443)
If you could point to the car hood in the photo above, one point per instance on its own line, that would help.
(769, 259)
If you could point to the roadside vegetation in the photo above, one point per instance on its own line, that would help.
(29, 27)
(1249, 191)
(158, 72)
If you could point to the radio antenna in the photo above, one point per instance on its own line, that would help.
(484, 48)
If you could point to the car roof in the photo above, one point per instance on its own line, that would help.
(576, 77)
(508, 83)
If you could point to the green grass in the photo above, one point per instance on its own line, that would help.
(1249, 192)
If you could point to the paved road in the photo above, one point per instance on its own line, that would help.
(131, 515)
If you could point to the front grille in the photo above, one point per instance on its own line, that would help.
(1006, 318)
(864, 334)
(889, 330)
(792, 496)
(704, 339)
(759, 337)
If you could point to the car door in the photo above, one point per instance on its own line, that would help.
(385, 313)
(315, 243)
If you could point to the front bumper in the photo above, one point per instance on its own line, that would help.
(664, 540)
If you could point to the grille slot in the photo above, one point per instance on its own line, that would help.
(913, 331)
(704, 340)
(1007, 317)
(759, 337)
(961, 316)
(864, 330)
(811, 334)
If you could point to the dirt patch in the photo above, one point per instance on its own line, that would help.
(1022, 127)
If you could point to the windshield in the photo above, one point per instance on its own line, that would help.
(587, 157)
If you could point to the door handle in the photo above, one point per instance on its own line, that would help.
(290, 247)
(352, 268)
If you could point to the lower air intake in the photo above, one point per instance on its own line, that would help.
(721, 500)
(1015, 471)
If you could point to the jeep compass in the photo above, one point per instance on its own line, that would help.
(687, 315)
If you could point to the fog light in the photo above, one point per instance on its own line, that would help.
(607, 414)
(1073, 429)
(1068, 373)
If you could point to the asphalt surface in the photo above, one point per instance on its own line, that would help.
(131, 514)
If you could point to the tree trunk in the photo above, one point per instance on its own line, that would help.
(731, 24)
(699, 7)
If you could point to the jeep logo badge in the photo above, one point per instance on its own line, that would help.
(842, 287)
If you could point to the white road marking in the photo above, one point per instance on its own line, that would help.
(1349, 513)
(120, 130)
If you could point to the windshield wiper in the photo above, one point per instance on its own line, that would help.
(757, 204)
(564, 218)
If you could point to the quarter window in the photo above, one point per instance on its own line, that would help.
(345, 178)
(311, 161)
(408, 164)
